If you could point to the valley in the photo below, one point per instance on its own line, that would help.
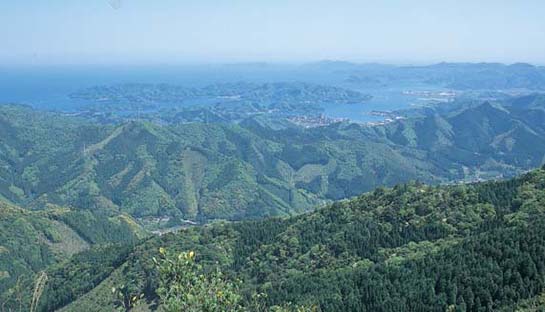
(400, 240)
(272, 156)
(262, 182)
(257, 168)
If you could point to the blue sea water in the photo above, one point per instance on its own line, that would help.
(49, 88)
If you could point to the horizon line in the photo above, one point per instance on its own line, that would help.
(264, 63)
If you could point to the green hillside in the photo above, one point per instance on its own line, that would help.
(31, 241)
(220, 102)
(254, 169)
(471, 247)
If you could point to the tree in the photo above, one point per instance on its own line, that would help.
(183, 286)
(126, 297)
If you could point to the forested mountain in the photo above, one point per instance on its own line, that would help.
(394, 239)
(413, 247)
(202, 156)
(30, 241)
(512, 132)
(218, 171)
(222, 101)
(277, 93)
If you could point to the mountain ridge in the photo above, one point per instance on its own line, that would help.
(364, 253)
(191, 171)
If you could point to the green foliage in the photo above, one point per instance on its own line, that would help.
(100, 229)
(183, 286)
(534, 304)
(81, 273)
(465, 247)
(38, 291)
(255, 168)
(34, 241)
(460, 247)
(126, 298)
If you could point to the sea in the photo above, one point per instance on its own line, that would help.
(49, 87)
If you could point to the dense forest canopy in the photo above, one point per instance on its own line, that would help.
(253, 156)
(469, 247)
(338, 217)
(253, 169)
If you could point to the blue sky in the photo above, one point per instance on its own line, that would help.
(212, 31)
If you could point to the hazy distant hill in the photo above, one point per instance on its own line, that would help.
(461, 76)
(229, 101)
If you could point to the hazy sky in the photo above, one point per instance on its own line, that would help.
(185, 31)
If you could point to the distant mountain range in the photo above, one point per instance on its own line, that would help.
(461, 76)
(250, 170)
(80, 199)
